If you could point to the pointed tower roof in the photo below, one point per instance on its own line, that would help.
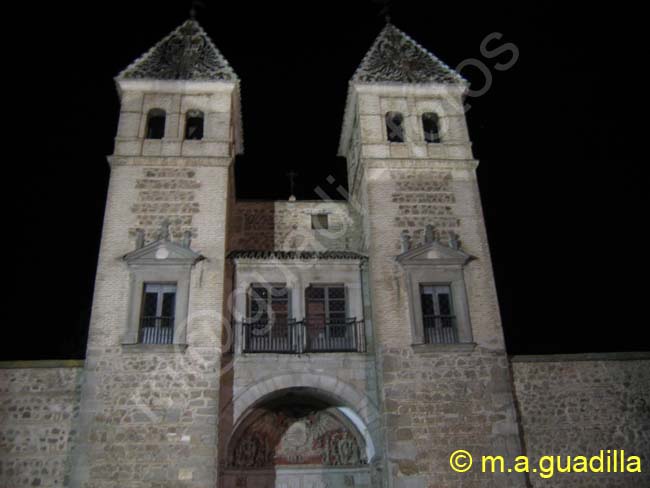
(396, 58)
(187, 53)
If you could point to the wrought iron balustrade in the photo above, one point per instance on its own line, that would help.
(278, 336)
(297, 337)
(440, 329)
(345, 335)
(157, 330)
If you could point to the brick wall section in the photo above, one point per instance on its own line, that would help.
(251, 226)
(578, 405)
(38, 408)
(283, 225)
(166, 193)
(387, 221)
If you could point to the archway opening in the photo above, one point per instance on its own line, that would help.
(298, 435)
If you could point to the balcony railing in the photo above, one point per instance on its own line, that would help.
(157, 330)
(297, 337)
(440, 329)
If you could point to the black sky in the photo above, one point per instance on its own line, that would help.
(560, 173)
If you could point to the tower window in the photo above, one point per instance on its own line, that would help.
(155, 124)
(431, 127)
(194, 125)
(158, 311)
(437, 315)
(319, 221)
(395, 127)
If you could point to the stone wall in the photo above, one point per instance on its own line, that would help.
(39, 404)
(436, 403)
(153, 418)
(579, 404)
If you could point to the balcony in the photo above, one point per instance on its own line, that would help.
(156, 330)
(298, 337)
(440, 329)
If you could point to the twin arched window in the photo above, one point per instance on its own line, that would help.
(156, 124)
(395, 127)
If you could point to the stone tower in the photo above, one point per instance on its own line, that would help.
(443, 376)
(149, 399)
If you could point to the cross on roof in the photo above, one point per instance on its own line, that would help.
(291, 175)
(195, 5)
(385, 9)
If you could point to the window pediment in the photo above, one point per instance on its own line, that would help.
(433, 253)
(162, 252)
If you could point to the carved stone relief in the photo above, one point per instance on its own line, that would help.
(296, 436)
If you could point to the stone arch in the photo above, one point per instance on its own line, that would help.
(294, 429)
(329, 386)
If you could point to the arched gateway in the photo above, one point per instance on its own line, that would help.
(297, 440)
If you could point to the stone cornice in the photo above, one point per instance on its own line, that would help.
(589, 356)
(398, 163)
(46, 363)
(175, 161)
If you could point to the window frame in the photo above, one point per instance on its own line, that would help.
(160, 289)
(194, 114)
(435, 264)
(269, 302)
(423, 274)
(388, 119)
(315, 218)
(436, 118)
(326, 299)
(436, 306)
(155, 113)
(161, 261)
(143, 274)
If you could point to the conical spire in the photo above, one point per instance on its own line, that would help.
(185, 54)
(396, 58)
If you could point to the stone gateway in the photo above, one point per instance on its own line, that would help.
(304, 344)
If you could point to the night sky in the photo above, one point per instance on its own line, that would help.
(559, 169)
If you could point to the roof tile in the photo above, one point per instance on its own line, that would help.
(395, 57)
(187, 53)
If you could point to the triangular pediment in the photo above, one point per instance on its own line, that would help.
(163, 252)
(433, 253)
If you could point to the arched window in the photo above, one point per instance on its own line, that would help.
(431, 127)
(194, 125)
(155, 124)
(395, 126)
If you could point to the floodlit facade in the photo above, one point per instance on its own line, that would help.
(302, 344)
